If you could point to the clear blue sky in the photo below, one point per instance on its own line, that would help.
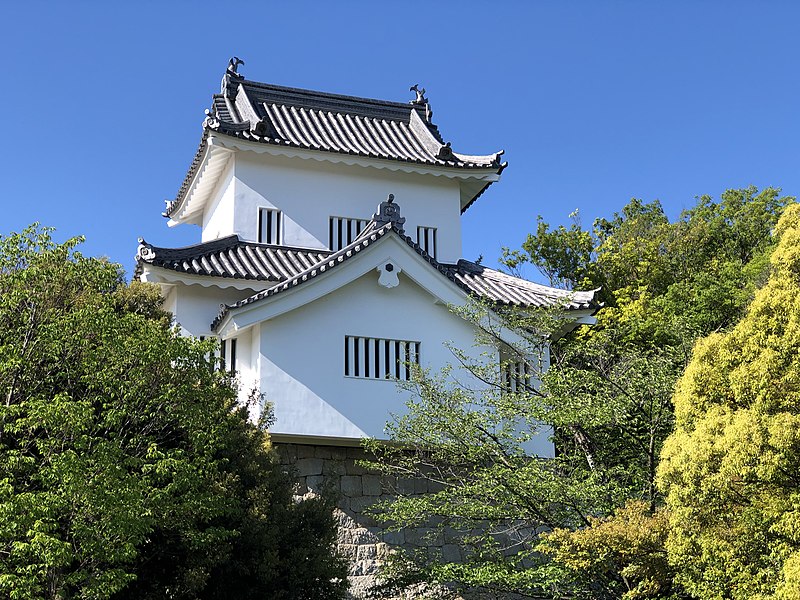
(594, 102)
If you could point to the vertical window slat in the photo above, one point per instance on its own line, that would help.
(397, 360)
(269, 226)
(347, 355)
(344, 231)
(366, 357)
(380, 358)
(356, 344)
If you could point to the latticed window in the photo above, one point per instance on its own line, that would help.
(227, 355)
(379, 358)
(343, 231)
(269, 226)
(426, 238)
(517, 376)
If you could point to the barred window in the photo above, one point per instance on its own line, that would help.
(426, 238)
(516, 376)
(227, 355)
(343, 231)
(379, 358)
(269, 226)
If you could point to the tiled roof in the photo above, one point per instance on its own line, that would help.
(477, 281)
(506, 289)
(335, 123)
(231, 257)
(289, 267)
(310, 120)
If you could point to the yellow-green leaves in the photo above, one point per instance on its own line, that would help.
(731, 470)
(630, 544)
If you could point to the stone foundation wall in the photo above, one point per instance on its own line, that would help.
(360, 538)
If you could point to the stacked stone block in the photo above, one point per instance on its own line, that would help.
(361, 538)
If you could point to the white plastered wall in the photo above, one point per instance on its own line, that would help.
(302, 358)
(218, 215)
(308, 192)
(196, 306)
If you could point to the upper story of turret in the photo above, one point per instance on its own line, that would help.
(300, 168)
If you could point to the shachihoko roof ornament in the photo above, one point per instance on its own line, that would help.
(421, 100)
(315, 121)
(230, 80)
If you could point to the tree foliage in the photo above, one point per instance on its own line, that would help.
(628, 545)
(127, 470)
(731, 469)
(468, 435)
(607, 397)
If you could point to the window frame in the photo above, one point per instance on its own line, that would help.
(344, 233)
(365, 357)
(260, 225)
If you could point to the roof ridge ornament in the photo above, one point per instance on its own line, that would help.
(211, 121)
(232, 77)
(421, 100)
(389, 212)
(446, 153)
(145, 251)
(233, 67)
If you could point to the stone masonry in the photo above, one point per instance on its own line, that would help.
(360, 537)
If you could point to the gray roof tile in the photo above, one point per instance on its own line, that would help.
(289, 267)
(231, 257)
(284, 116)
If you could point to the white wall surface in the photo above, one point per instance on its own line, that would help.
(219, 210)
(302, 358)
(308, 192)
(195, 306)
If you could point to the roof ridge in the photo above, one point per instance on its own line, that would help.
(468, 279)
(378, 129)
(319, 93)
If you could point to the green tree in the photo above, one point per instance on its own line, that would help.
(127, 469)
(607, 397)
(731, 469)
(467, 435)
(627, 546)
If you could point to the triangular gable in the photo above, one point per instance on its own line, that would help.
(372, 254)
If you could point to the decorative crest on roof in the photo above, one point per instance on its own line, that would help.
(421, 100)
(233, 67)
(145, 251)
(211, 121)
(232, 78)
(389, 212)
(446, 153)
